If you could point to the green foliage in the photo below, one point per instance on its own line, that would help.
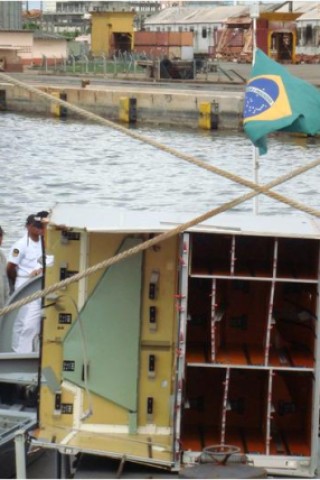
(30, 26)
(70, 35)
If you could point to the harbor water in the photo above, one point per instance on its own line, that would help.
(45, 161)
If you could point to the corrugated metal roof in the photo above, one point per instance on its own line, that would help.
(313, 14)
(168, 15)
(302, 7)
(37, 34)
(102, 219)
(184, 16)
(269, 7)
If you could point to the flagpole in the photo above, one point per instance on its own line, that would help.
(254, 13)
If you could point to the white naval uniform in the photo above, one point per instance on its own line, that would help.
(27, 255)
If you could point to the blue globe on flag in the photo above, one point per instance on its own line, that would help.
(261, 94)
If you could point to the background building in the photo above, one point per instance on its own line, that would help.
(12, 45)
(204, 23)
(11, 15)
(308, 28)
(66, 17)
(74, 16)
(50, 46)
(16, 49)
(112, 32)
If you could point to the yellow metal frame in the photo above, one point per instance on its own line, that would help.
(106, 431)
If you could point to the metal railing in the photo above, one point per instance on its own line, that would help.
(85, 64)
(133, 65)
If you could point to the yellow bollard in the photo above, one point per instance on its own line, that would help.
(205, 115)
(56, 109)
(128, 109)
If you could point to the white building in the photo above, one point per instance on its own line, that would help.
(53, 47)
(32, 47)
(308, 26)
(49, 6)
(203, 22)
(21, 41)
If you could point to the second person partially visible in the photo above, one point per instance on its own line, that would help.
(24, 262)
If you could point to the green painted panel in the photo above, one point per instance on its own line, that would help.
(111, 323)
(133, 423)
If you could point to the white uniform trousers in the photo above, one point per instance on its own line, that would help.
(26, 326)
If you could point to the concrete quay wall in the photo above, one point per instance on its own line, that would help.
(153, 106)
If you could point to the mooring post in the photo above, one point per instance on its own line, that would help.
(20, 454)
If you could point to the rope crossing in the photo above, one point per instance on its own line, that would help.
(159, 238)
(256, 190)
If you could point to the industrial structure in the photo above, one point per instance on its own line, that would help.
(204, 23)
(275, 35)
(112, 31)
(208, 338)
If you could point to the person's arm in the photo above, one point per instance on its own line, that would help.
(12, 275)
(37, 271)
(16, 254)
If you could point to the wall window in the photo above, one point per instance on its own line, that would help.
(204, 32)
(299, 40)
(309, 35)
(317, 37)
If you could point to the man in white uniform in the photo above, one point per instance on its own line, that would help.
(4, 285)
(24, 262)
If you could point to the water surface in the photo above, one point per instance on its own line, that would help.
(45, 161)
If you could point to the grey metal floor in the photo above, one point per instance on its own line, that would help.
(46, 467)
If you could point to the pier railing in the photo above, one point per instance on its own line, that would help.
(132, 65)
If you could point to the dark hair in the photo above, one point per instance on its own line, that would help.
(42, 214)
(1, 232)
(34, 220)
(30, 219)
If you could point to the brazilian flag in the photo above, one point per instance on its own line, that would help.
(275, 100)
